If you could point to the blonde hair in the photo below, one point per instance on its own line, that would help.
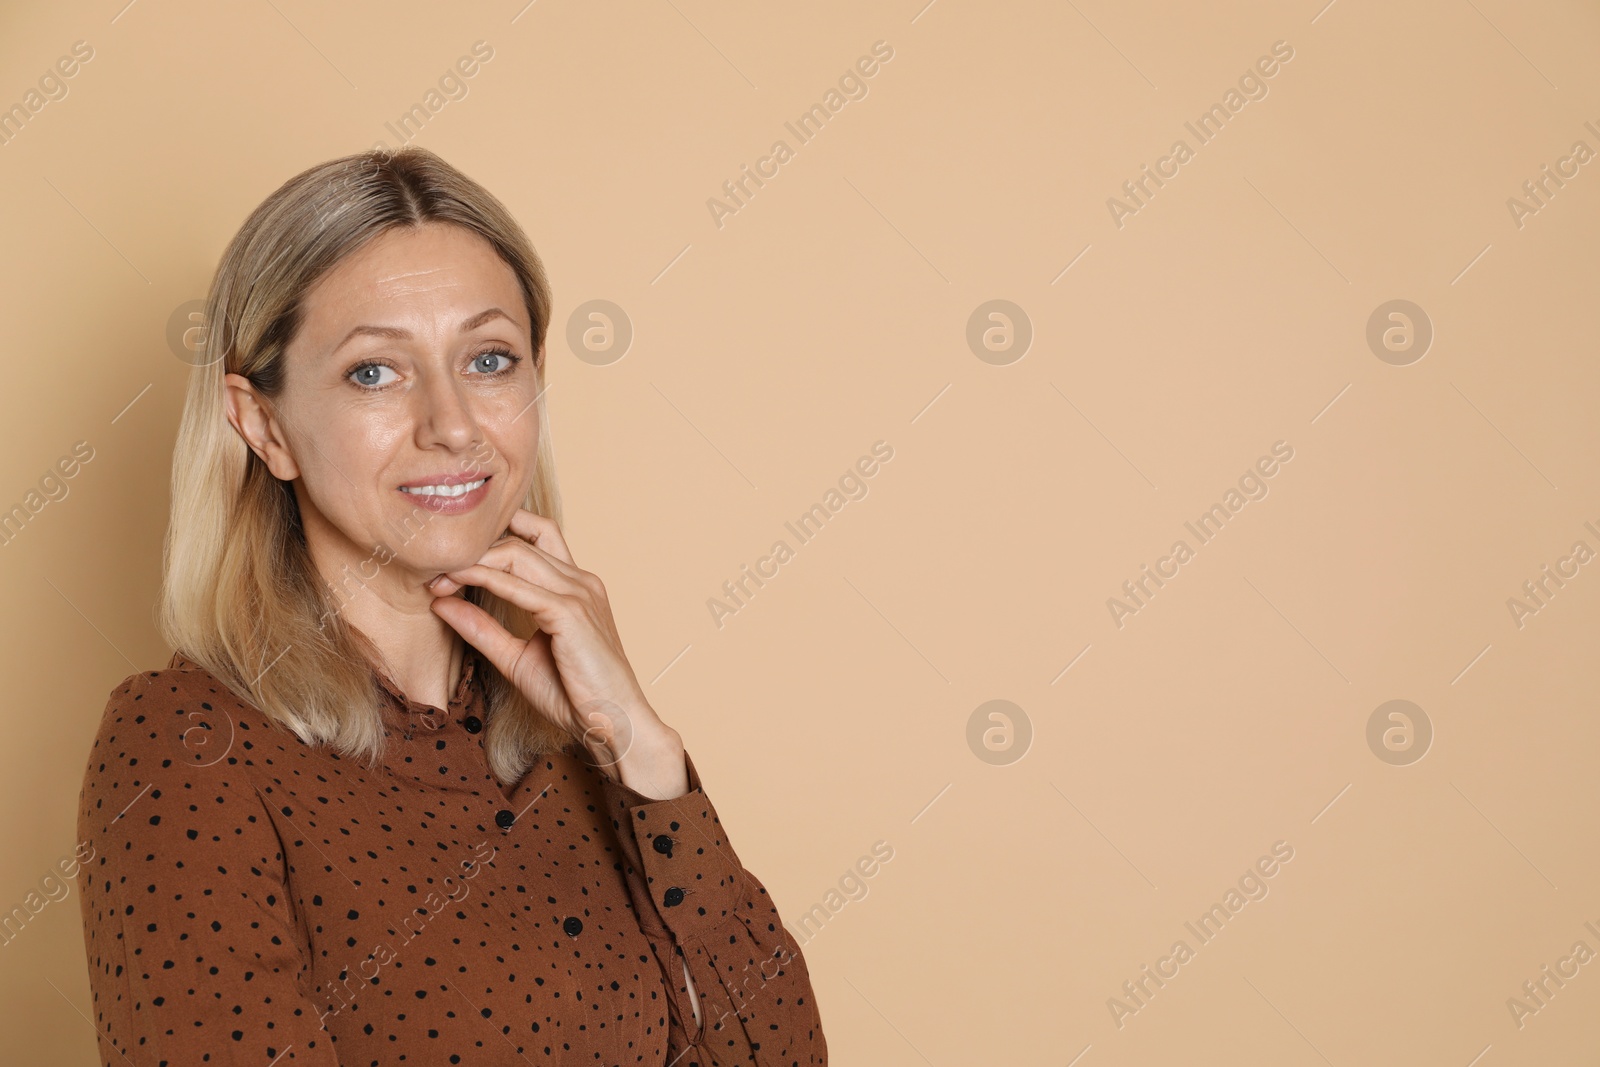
(240, 595)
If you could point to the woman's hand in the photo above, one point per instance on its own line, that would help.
(573, 671)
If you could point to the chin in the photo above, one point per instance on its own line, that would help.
(434, 561)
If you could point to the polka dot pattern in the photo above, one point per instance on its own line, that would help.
(257, 900)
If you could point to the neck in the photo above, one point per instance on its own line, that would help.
(420, 652)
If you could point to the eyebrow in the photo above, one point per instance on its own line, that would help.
(395, 333)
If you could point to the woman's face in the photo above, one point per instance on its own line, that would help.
(412, 375)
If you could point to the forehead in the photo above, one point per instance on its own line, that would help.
(413, 273)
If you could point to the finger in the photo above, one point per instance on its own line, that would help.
(534, 564)
(548, 608)
(510, 656)
(541, 531)
(506, 558)
(480, 630)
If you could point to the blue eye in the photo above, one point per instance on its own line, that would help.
(369, 374)
(485, 362)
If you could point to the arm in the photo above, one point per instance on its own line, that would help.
(192, 946)
(708, 920)
(713, 925)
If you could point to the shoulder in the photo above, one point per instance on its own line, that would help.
(179, 730)
(173, 791)
(181, 713)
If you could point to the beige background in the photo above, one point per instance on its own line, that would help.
(831, 312)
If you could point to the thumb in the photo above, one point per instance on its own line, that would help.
(527, 665)
(480, 630)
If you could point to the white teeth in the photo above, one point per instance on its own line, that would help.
(443, 490)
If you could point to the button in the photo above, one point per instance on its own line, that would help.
(673, 898)
(472, 724)
(573, 925)
(663, 845)
(504, 818)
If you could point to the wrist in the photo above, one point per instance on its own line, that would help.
(654, 765)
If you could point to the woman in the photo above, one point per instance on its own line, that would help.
(398, 796)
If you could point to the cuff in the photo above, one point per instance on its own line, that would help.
(689, 869)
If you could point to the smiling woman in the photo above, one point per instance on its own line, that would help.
(437, 820)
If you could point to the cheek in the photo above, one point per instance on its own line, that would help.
(511, 441)
(345, 460)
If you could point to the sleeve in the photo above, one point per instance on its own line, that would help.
(193, 950)
(702, 910)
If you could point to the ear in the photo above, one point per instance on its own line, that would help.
(251, 415)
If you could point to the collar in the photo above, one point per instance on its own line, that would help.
(414, 715)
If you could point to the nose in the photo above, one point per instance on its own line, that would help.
(444, 414)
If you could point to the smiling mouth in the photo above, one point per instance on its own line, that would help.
(444, 490)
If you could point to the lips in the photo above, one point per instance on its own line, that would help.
(448, 494)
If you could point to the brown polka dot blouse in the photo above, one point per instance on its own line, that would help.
(255, 900)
